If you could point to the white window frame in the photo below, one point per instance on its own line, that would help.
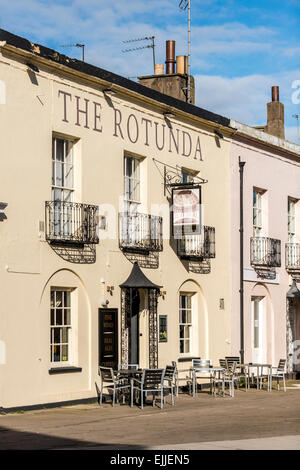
(67, 165)
(257, 217)
(187, 325)
(132, 181)
(57, 325)
(291, 220)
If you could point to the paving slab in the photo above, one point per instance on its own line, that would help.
(203, 420)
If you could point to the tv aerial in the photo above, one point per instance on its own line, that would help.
(82, 46)
(183, 5)
(148, 46)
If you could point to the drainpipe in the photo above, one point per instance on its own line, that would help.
(241, 168)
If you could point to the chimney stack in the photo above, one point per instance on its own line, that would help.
(275, 113)
(174, 81)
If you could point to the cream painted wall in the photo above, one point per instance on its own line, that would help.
(29, 266)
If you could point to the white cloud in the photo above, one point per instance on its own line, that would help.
(244, 98)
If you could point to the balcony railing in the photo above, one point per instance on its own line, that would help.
(140, 232)
(292, 256)
(265, 252)
(198, 246)
(71, 223)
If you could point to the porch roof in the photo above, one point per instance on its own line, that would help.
(137, 279)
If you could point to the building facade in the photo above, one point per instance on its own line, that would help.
(93, 271)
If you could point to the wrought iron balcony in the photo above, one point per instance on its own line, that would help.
(140, 232)
(198, 246)
(265, 252)
(292, 256)
(71, 223)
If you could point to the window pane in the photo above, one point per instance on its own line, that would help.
(186, 346)
(67, 317)
(64, 353)
(181, 331)
(58, 298)
(52, 298)
(189, 316)
(181, 346)
(189, 301)
(183, 315)
(186, 331)
(64, 335)
(56, 335)
(56, 353)
(52, 316)
(67, 298)
(59, 317)
(59, 150)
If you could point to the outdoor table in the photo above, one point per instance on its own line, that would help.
(208, 370)
(259, 369)
(130, 374)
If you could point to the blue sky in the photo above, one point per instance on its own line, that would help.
(239, 48)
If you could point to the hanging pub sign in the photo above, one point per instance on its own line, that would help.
(186, 209)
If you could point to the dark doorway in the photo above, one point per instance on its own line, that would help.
(134, 336)
(108, 337)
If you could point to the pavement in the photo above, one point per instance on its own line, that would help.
(253, 419)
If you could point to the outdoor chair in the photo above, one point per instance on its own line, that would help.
(187, 379)
(201, 364)
(170, 380)
(226, 377)
(113, 383)
(128, 366)
(222, 363)
(230, 359)
(279, 373)
(152, 381)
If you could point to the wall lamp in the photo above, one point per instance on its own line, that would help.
(33, 67)
(110, 289)
(169, 115)
(109, 92)
(219, 135)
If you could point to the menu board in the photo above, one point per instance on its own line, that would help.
(108, 337)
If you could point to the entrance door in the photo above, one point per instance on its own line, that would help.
(297, 338)
(108, 337)
(257, 329)
(134, 330)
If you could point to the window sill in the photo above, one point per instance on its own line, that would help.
(64, 370)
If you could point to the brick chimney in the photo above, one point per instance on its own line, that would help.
(275, 115)
(173, 83)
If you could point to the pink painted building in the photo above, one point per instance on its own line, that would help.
(265, 181)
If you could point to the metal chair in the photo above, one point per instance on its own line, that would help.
(200, 364)
(279, 373)
(128, 366)
(188, 379)
(152, 382)
(223, 363)
(170, 380)
(117, 385)
(230, 359)
(226, 377)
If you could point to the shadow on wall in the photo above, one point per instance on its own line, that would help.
(150, 261)
(77, 255)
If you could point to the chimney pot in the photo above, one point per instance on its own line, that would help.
(170, 57)
(275, 93)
